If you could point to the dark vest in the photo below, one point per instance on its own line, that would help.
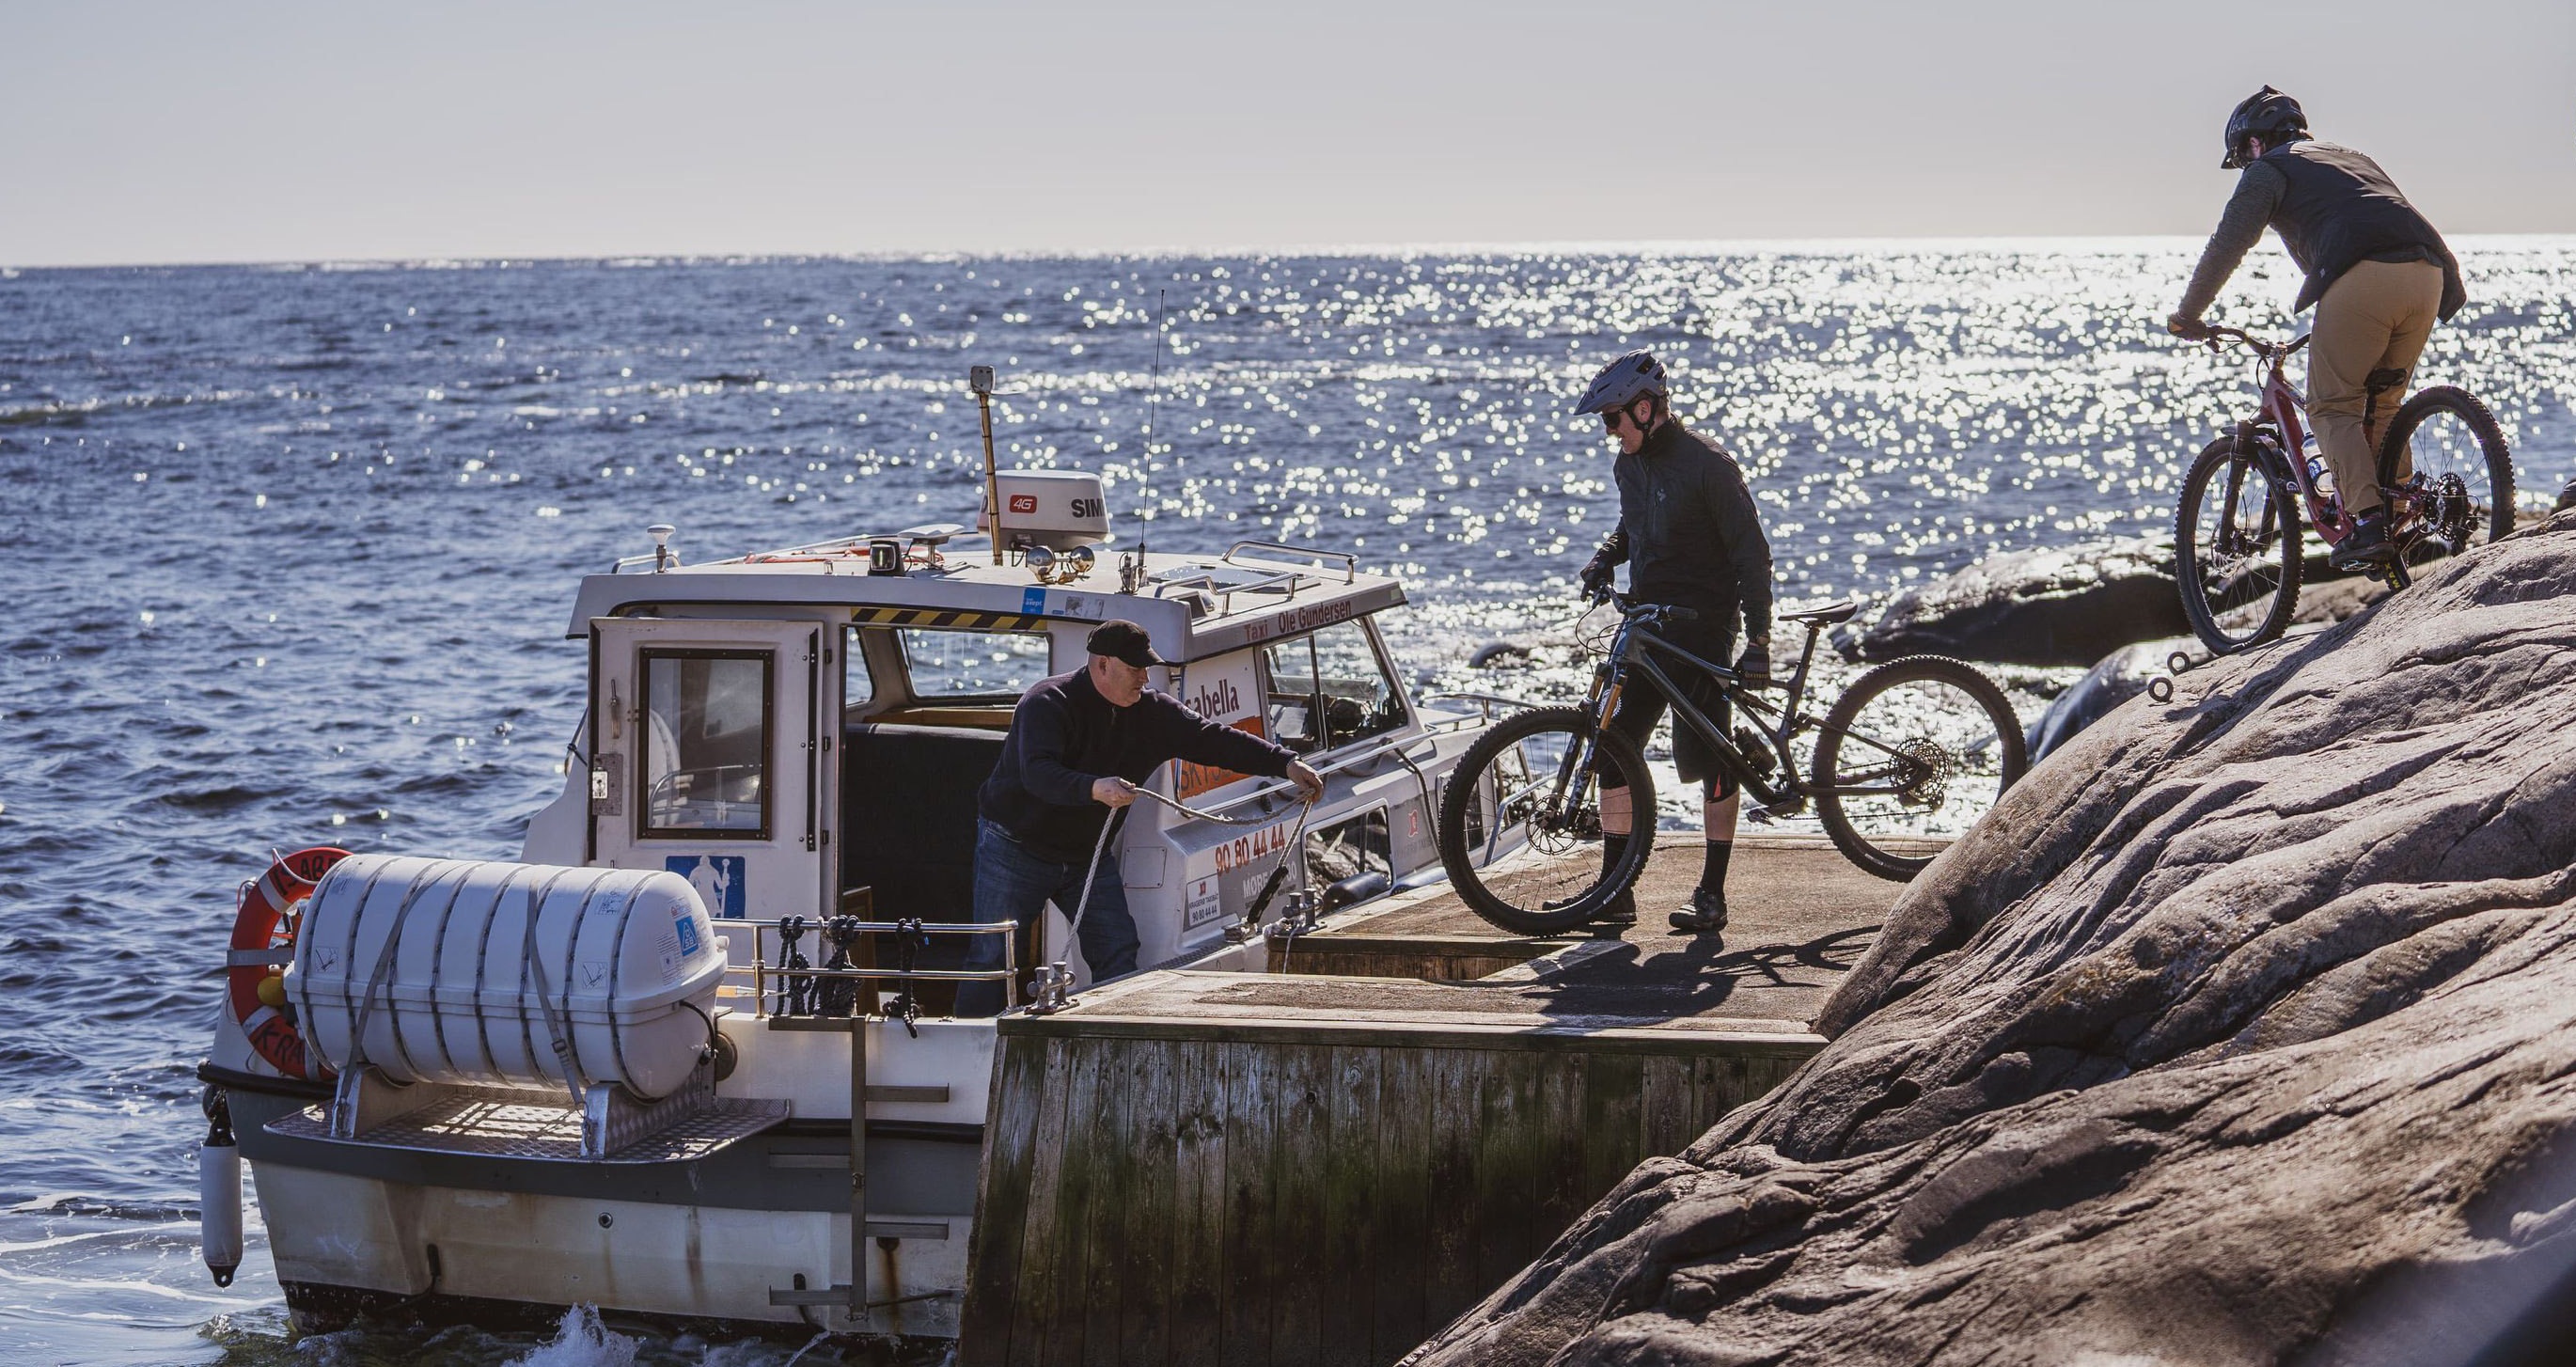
(2341, 210)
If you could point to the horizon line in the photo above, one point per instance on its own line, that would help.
(1675, 247)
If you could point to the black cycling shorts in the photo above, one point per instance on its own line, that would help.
(1642, 705)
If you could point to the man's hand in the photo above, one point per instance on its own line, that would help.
(1754, 665)
(1596, 579)
(1113, 791)
(2189, 329)
(1310, 785)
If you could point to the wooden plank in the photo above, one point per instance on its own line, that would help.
(1251, 1126)
(1297, 1197)
(1145, 1295)
(1613, 1115)
(1401, 1230)
(1451, 1283)
(1001, 1203)
(1034, 1296)
(1108, 1259)
(1352, 1122)
(1198, 1200)
(1075, 1212)
(1667, 1098)
(1563, 1185)
(1405, 1026)
(1506, 1167)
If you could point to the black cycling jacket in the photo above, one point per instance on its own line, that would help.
(1689, 533)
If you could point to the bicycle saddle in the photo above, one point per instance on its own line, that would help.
(1825, 614)
(2380, 381)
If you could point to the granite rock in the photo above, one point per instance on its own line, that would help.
(2244, 1031)
(2066, 606)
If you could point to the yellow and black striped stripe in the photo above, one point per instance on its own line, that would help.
(936, 617)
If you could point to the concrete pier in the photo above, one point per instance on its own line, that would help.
(1319, 1165)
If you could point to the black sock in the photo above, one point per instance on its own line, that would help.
(1613, 849)
(1712, 879)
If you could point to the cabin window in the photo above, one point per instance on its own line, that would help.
(956, 666)
(706, 741)
(1329, 689)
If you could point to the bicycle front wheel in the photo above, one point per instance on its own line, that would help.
(1520, 822)
(2446, 457)
(1918, 751)
(2236, 551)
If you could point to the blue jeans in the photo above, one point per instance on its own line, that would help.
(1013, 883)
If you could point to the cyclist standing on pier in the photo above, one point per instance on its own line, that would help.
(2378, 273)
(1690, 536)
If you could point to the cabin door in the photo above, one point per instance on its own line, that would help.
(712, 746)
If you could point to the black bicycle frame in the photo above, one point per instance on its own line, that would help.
(1625, 656)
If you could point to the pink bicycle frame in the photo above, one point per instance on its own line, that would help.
(2289, 412)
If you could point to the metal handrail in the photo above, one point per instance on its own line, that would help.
(1336, 766)
(1485, 702)
(1350, 562)
(761, 971)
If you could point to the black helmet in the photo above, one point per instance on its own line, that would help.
(2267, 113)
(1624, 381)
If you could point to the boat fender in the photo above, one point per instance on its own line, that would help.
(263, 935)
(219, 1190)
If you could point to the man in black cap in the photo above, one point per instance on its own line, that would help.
(1079, 745)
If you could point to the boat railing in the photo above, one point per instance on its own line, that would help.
(761, 971)
(1350, 562)
(1485, 705)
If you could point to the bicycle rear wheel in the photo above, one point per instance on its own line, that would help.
(2236, 551)
(1930, 744)
(2447, 456)
(1520, 821)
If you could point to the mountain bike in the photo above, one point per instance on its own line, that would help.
(2444, 473)
(1915, 751)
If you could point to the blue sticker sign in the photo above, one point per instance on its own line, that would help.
(1033, 602)
(719, 880)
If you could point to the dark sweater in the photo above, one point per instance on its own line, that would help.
(2334, 208)
(1066, 737)
(1689, 533)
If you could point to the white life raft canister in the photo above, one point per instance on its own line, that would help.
(490, 972)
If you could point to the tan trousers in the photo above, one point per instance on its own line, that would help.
(2374, 317)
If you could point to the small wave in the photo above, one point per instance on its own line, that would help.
(214, 801)
(99, 1207)
(582, 1341)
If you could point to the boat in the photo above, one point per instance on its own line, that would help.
(693, 1058)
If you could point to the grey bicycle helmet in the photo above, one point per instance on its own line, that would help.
(1624, 381)
(2267, 113)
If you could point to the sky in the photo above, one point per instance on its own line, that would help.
(255, 131)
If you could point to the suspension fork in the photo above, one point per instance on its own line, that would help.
(1575, 773)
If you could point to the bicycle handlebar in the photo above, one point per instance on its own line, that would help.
(1630, 607)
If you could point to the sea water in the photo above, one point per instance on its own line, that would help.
(286, 555)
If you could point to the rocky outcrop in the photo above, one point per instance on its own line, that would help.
(2244, 1031)
(2068, 606)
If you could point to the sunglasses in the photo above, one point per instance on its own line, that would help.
(1612, 417)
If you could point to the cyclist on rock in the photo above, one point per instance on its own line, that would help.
(1690, 536)
(2376, 270)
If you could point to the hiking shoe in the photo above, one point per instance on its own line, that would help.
(1704, 914)
(2368, 545)
(1618, 913)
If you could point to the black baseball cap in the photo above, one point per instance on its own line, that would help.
(1125, 642)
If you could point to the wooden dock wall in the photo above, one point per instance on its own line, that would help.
(1193, 1191)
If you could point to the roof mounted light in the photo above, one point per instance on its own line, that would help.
(662, 557)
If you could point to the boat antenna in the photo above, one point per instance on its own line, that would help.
(980, 379)
(1153, 397)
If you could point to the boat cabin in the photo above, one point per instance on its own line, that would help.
(803, 732)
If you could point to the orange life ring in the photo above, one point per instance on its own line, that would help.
(259, 930)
